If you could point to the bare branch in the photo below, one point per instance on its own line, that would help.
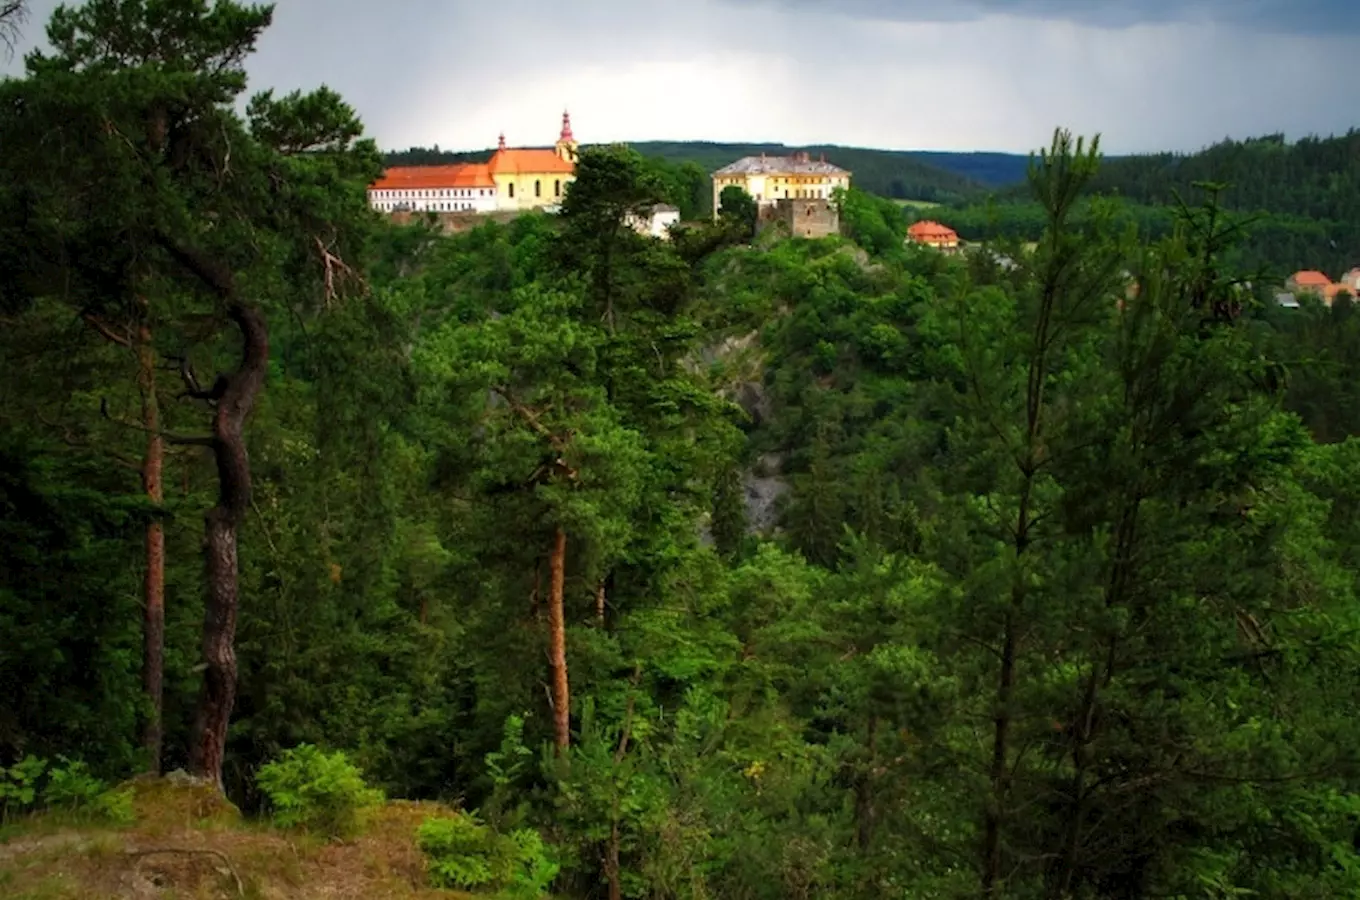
(13, 13)
(335, 266)
(106, 331)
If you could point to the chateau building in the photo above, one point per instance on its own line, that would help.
(512, 179)
(769, 179)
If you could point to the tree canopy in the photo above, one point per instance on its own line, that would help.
(725, 565)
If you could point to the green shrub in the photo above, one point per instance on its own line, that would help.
(535, 868)
(19, 785)
(463, 853)
(319, 792)
(69, 788)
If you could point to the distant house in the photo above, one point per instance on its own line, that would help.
(1287, 300)
(1308, 281)
(933, 234)
(657, 220)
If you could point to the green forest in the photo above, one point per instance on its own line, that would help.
(729, 566)
(1298, 201)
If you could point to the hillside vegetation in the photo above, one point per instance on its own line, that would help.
(1301, 198)
(550, 559)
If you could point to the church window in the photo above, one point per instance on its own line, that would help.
(538, 189)
(557, 188)
(512, 192)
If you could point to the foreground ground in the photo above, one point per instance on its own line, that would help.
(186, 843)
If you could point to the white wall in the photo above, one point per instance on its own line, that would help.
(656, 225)
(662, 221)
(479, 199)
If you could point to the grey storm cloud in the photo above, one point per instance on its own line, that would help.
(1282, 16)
(911, 74)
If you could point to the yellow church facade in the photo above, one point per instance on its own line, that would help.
(532, 179)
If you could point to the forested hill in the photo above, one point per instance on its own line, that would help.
(986, 167)
(900, 174)
(1314, 177)
(1301, 198)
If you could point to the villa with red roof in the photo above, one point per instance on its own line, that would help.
(512, 179)
(1310, 281)
(933, 234)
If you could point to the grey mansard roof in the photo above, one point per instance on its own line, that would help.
(798, 164)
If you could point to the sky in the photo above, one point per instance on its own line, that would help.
(902, 74)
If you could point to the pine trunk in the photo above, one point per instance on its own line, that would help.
(865, 808)
(153, 615)
(998, 770)
(221, 525)
(557, 642)
(611, 864)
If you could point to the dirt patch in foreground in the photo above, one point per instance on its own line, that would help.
(218, 858)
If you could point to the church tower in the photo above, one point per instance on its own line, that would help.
(566, 144)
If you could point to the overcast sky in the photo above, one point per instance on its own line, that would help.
(904, 74)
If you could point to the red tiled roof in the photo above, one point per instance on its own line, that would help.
(929, 230)
(535, 161)
(459, 175)
(1311, 278)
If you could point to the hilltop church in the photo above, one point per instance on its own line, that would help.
(513, 179)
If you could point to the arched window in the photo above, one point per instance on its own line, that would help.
(557, 187)
(512, 191)
(538, 188)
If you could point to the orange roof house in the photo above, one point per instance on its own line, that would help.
(1309, 279)
(933, 234)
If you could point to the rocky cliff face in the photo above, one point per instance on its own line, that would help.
(739, 365)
